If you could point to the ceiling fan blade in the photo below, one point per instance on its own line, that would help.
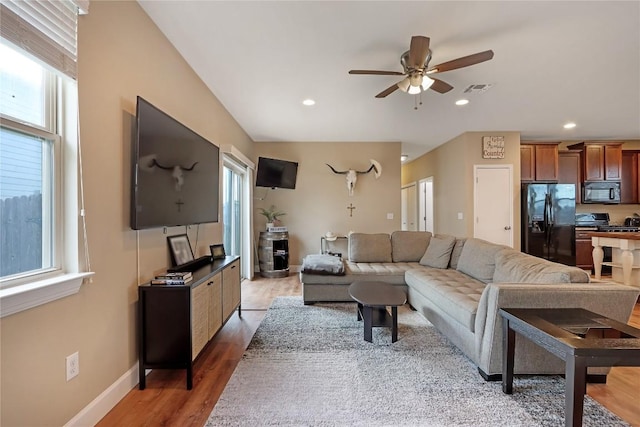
(465, 61)
(387, 91)
(376, 72)
(418, 51)
(440, 86)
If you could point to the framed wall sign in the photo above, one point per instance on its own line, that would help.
(493, 147)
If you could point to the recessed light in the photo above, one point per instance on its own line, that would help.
(403, 157)
(462, 102)
(309, 102)
(569, 125)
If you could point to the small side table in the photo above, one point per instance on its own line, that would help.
(373, 298)
(325, 245)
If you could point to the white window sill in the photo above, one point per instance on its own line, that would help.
(23, 297)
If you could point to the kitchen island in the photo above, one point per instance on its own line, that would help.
(625, 256)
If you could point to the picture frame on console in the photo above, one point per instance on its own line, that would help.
(217, 251)
(180, 249)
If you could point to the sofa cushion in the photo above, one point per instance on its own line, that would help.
(365, 247)
(517, 267)
(478, 259)
(438, 252)
(409, 246)
(455, 253)
(453, 292)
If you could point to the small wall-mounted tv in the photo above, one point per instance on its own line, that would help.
(276, 173)
(175, 172)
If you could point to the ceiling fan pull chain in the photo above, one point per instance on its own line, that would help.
(415, 102)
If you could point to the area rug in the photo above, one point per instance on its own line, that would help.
(309, 366)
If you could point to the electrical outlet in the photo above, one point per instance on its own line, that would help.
(73, 365)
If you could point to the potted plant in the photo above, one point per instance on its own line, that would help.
(272, 214)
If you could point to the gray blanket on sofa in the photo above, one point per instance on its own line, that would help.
(323, 264)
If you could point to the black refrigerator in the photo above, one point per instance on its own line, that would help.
(548, 221)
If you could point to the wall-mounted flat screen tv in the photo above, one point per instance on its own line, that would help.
(276, 173)
(175, 172)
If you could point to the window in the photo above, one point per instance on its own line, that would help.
(29, 169)
(39, 154)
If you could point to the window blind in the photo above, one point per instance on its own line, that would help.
(45, 29)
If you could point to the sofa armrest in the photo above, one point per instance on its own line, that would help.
(608, 299)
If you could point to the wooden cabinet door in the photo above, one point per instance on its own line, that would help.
(569, 171)
(199, 319)
(593, 163)
(215, 304)
(230, 288)
(630, 181)
(584, 254)
(527, 163)
(546, 162)
(613, 162)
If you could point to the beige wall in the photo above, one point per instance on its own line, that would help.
(451, 166)
(121, 54)
(319, 202)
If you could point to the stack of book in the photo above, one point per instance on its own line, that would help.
(177, 278)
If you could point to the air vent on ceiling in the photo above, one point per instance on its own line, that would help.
(477, 88)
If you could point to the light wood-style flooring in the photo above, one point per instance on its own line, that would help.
(166, 402)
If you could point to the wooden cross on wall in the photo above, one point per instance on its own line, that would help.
(351, 208)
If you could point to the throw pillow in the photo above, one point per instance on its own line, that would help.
(455, 253)
(438, 252)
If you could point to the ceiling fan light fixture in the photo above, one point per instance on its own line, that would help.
(414, 90)
(426, 83)
(404, 84)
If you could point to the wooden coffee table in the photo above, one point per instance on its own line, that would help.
(579, 337)
(373, 298)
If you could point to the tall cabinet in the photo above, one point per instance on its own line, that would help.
(176, 322)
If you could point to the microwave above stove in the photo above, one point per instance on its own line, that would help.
(601, 192)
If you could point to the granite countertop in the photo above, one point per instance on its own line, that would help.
(616, 235)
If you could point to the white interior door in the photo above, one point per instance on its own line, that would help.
(493, 203)
(425, 205)
(409, 208)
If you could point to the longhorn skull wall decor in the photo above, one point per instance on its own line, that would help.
(352, 175)
(177, 171)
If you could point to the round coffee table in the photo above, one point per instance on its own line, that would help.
(373, 298)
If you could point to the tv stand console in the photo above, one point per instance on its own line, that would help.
(175, 322)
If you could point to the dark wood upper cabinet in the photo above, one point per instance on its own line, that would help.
(601, 160)
(527, 163)
(569, 170)
(539, 161)
(630, 177)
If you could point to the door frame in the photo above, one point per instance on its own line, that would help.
(422, 205)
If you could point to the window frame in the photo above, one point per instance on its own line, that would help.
(24, 291)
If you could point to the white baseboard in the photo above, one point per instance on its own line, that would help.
(101, 405)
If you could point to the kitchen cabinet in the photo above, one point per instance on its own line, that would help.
(539, 161)
(584, 250)
(601, 160)
(630, 177)
(175, 322)
(569, 171)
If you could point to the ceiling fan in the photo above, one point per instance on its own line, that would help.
(417, 71)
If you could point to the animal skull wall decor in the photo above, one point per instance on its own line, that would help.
(177, 171)
(352, 175)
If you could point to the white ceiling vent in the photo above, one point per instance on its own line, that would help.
(477, 88)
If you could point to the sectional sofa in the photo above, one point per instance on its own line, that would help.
(460, 284)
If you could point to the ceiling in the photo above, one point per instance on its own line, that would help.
(554, 62)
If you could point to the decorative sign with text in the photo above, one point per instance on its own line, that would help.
(493, 147)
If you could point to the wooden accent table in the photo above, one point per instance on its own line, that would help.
(373, 298)
(577, 336)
